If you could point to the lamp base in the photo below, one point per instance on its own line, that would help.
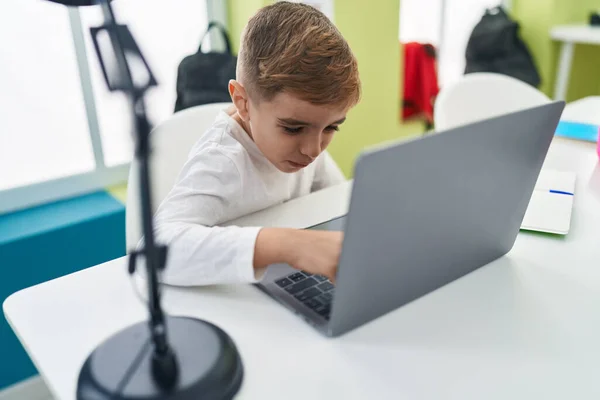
(120, 368)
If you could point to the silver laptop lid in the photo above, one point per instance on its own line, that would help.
(427, 212)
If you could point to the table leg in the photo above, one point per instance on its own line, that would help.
(564, 70)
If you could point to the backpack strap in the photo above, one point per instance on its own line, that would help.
(496, 11)
(224, 34)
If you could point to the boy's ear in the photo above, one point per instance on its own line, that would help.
(240, 99)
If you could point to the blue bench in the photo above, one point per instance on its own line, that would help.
(49, 241)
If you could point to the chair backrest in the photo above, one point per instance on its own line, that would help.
(483, 95)
(171, 142)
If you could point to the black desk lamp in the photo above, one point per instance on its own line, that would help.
(167, 357)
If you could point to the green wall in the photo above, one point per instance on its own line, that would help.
(372, 32)
(537, 17)
(239, 12)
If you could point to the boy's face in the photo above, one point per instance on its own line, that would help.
(290, 132)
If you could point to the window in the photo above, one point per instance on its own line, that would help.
(37, 73)
(62, 133)
(166, 32)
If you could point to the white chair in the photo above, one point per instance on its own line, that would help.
(480, 96)
(171, 143)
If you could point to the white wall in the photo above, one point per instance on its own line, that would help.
(460, 18)
(421, 21)
(447, 24)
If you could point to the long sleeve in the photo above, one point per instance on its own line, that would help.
(327, 173)
(207, 192)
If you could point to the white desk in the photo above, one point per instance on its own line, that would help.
(527, 326)
(585, 111)
(569, 35)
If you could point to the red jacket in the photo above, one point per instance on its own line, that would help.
(420, 81)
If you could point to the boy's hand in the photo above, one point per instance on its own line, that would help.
(317, 252)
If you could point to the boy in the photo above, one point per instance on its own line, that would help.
(296, 79)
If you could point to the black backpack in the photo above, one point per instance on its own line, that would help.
(495, 46)
(203, 78)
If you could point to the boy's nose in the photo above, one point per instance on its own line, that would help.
(311, 148)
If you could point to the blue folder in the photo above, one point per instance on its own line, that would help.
(579, 131)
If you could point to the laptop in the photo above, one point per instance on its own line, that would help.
(422, 214)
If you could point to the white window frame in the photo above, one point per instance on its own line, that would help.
(102, 176)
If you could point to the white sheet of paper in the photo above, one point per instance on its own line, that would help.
(551, 212)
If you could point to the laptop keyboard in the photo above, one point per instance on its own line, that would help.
(314, 291)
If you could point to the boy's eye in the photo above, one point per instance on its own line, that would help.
(292, 131)
(332, 128)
